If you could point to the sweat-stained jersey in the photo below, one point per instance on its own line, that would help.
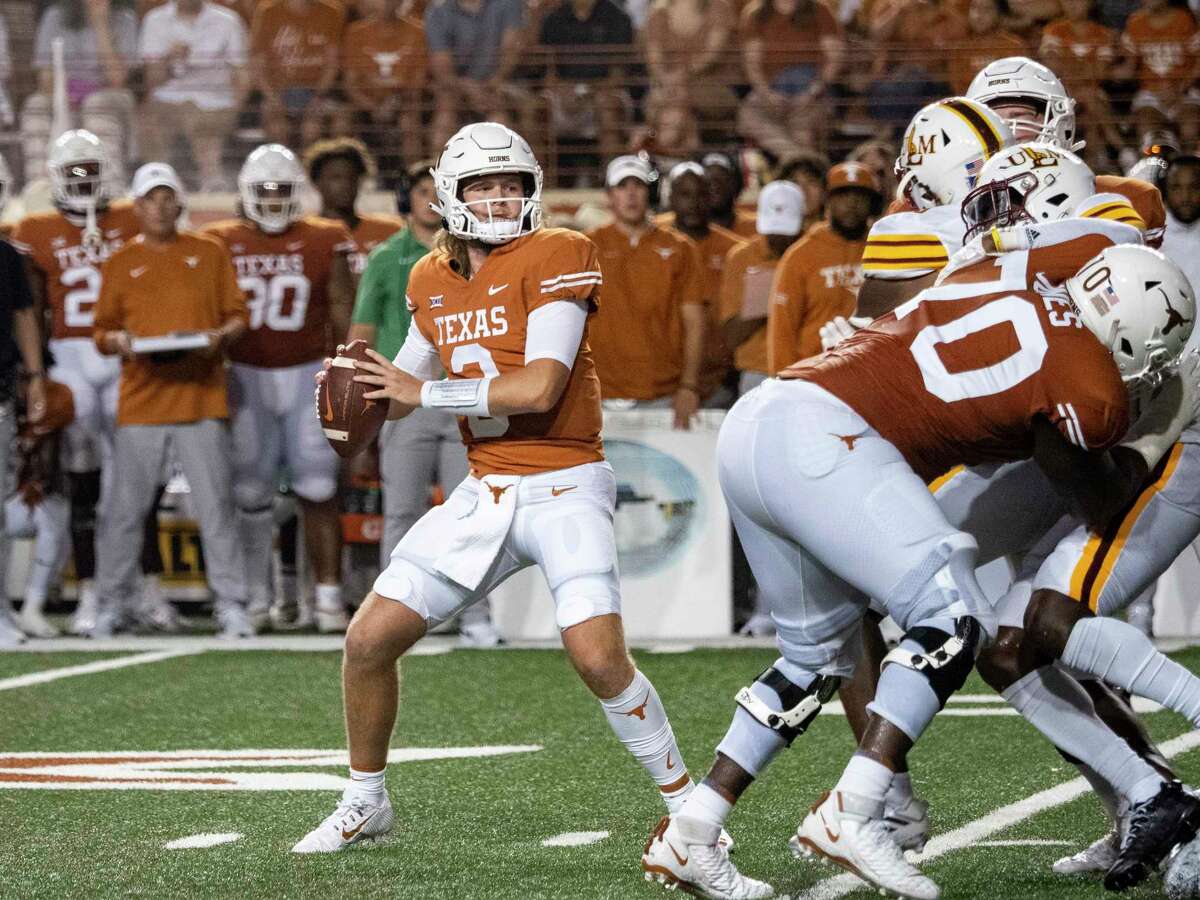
(479, 327)
(958, 374)
(372, 230)
(286, 281)
(71, 270)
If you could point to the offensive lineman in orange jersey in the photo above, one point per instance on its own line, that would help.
(998, 363)
(503, 304)
(336, 168)
(298, 289)
(65, 248)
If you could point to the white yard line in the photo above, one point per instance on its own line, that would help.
(104, 665)
(974, 832)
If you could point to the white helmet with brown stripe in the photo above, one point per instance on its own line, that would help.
(945, 147)
(1030, 182)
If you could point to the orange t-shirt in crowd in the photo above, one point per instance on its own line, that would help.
(382, 58)
(188, 285)
(372, 230)
(1166, 47)
(973, 52)
(72, 270)
(714, 249)
(1078, 54)
(746, 291)
(638, 339)
(479, 327)
(817, 279)
(286, 280)
(784, 43)
(921, 25)
(294, 47)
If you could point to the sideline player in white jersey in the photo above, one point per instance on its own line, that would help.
(931, 384)
(65, 248)
(504, 305)
(298, 286)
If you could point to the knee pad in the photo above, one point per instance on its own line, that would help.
(252, 496)
(315, 488)
(944, 660)
(943, 585)
(584, 597)
(798, 706)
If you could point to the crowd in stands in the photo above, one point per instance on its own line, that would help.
(585, 80)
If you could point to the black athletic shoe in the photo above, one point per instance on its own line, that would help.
(1170, 817)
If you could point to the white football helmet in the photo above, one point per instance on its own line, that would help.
(269, 184)
(1018, 79)
(486, 148)
(78, 166)
(1140, 306)
(944, 149)
(1027, 183)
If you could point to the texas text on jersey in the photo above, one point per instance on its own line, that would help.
(959, 373)
(286, 279)
(71, 268)
(479, 328)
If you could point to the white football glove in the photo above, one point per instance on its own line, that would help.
(839, 328)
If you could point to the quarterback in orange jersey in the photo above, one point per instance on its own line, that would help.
(504, 306)
(65, 248)
(336, 168)
(298, 288)
(1011, 357)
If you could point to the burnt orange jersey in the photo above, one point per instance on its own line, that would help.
(714, 248)
(372, 230)
(1145, 199)
(381, 58)
(152, 291)
(958, 374)
(1080, 52)
(479, 327)
(295, 48)
(286, 281)
(1165, 46)
(817, 279)
(746, 293)
(71, 270)
(638, 339)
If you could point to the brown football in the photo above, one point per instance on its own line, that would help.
(349, 420)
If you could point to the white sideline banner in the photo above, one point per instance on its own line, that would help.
(673, 535)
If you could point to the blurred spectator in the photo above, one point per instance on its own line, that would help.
(724, 188)
(295, 45)
(807, 170)
(1081, 52)
(244, 8)
(909, 76)
(819, 277)
(1163, 43)
(749, 273)
(987, 39)
(687, 187)
(7, 115)
(590, 45)
(692, 60)
(791, 50)
(99, 46)
(177, 398)
(880, 158)
(194, 52)
(1181, 196)
(648, 340)
(1157, 151)
(337, 169)
(384, 69)
(474, 47)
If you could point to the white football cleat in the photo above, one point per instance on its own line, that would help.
(758, 625)
(1094, 859)
(33, 623)
(909, 824)
(155, 612)
(331, 620)
(481, 634)
(683, 854)
(83, 620)
(232, 621)
(1182, 878)
(10, 634)
(844, 829)
(258, 610)
(350, 823)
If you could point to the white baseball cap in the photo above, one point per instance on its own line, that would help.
(629, 167)
(155, 174)
(780, 208)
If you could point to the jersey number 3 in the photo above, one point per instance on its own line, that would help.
(468, 354)
(1025, 361)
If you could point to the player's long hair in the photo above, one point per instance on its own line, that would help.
(455, 248)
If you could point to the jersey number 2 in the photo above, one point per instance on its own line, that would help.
(994, 379)
(79, 305)
(463, 356)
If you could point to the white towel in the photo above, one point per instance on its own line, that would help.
(479, 535)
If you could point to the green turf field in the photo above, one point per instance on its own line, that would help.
(470, 826)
